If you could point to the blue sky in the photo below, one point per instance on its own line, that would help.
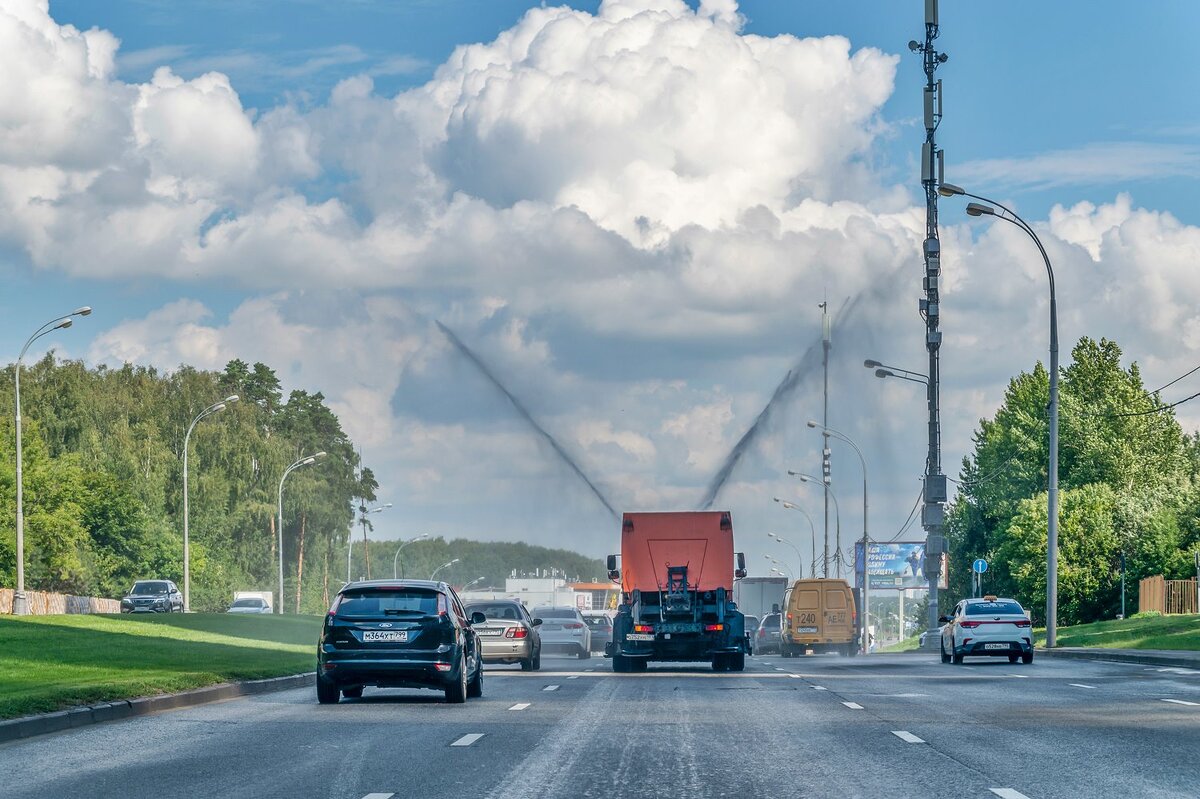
(640, 257)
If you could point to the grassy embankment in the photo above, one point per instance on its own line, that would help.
(51, 662)
(1163, 632)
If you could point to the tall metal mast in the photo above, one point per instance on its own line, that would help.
(826, 466)
(935, 495)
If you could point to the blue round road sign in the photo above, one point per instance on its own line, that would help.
(979, 566)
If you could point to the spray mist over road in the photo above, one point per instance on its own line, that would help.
(524, 413)
(808, 364)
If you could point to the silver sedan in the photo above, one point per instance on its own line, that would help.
(564, 630)
(510, 634)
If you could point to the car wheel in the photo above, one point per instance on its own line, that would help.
(1027, 658)
(353, 693)
(584, 652)
(1013, 658)
(537, 660)
(945, 657)
(475, 687)
(527, 664)
(456, 692)
(957, 659)
(327, 692)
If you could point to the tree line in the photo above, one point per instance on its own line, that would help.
(1129, 489)
(103, 480)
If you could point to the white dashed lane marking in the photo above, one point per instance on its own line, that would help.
(907, 737)
(819, 688)
(550, 688)
(379, 796)
(1182, 702)
(520, 706)
(853, 705)
(1079, 685)
(467, 740)
(573, 677)
(1008, 793)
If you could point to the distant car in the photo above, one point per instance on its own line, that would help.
(766, 639)
(601, 625)
(751, 629)
(564, 630)
(249, 605)
(152, 596)
(399, 634)
(991, 626)
(510, 634)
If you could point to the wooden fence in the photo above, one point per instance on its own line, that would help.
(42, 603)
(1167, 596)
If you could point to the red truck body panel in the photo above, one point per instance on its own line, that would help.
(693, 539)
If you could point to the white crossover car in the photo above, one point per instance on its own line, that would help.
(991, 626)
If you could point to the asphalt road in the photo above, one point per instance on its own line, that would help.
(881, 726)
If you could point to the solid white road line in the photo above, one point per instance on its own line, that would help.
(379, 796)
(520, 706)
(550, 688)
(853, 705)
(907, 737)
(1182, 702)
(467, 740)
(1079, 685)
(1008, 793)
(797, 676)
(1020, 676)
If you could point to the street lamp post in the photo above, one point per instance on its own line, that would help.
(363, 518)
(20, 600)
(883, 370)
(812, 561)
(779, 565)
(476, 580)
(216, 407)
(837, 510)
(828, 431)
(444, 565)
(976, 209)
(796, 549)
(307, 460)
(396, 557)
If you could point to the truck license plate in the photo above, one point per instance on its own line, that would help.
(806, 629)
(639, 637)
(399, 636)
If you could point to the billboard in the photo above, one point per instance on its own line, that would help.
(895, 565)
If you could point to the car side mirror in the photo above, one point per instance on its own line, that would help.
(537, 622)
(478, 618)
(943, 619)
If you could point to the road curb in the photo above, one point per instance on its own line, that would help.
(1187, 660)
(29, 726)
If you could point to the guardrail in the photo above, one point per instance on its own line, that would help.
(44, 603)
(1167, 596)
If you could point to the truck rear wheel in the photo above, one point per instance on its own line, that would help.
(737, 662)
(621, 664)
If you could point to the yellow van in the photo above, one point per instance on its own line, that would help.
(819, 616)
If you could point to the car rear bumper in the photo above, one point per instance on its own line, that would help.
(505, 650)
(982, 648)
(389, 672)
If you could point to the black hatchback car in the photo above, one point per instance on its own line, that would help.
(399, 634)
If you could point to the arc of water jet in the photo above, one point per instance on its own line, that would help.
(782, 391)
(520, 409)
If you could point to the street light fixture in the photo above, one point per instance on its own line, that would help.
(812, 528)
(363, 518)
(307, 460)
(20, 605)
(866, 536)
(883, 370)
(808, 478)
(216, 407)
(396, 557)
(978, 209)
(476, 580)
(444, 565)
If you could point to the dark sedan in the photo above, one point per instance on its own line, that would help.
(399, 634)
(601, 625)
(152, 596)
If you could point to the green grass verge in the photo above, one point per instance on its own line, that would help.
(907, 645)
(51, 662)
(1164, 632)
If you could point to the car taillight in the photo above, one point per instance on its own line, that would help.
(516, 632)
(643, 628)
(711, 628)
(1024, 623)
(970, 625)
(574, 625)
(443, 608)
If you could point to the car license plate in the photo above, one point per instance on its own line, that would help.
(806, 629)
(995, 646)
(639, 637)
(492, 633)
(395, 636)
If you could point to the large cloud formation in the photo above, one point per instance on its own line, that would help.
(631, 213)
